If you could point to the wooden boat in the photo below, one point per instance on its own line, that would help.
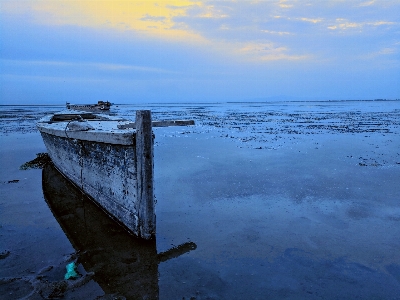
(101, 105)
(110, 159)
(120, 263)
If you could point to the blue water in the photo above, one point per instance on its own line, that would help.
(284, 200)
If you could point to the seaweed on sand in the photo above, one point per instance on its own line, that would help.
(41, 160)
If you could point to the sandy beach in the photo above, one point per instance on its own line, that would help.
(292, 200)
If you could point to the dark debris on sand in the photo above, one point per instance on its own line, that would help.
(41, 160)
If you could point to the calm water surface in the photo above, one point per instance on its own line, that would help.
(292, 200)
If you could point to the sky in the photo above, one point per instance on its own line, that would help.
(58, 51)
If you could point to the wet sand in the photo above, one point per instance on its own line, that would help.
(278, 201)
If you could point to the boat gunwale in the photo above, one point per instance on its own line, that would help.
(105, 128)
(117, 137)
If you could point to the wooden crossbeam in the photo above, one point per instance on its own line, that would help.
(161, 123)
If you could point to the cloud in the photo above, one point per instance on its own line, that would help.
(268, 52)
(386, 51)
(81, 65)
(277, 32)
(283, 4)
(149, 17)
(314, 21)
(379, 23)
(199, 33)
(343, 24)
(211, 12)
(369, 3)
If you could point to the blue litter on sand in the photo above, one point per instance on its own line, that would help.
(71, 271)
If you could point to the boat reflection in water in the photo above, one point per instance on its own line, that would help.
(122, 264)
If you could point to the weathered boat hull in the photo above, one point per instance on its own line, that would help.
(88, 107)
(105, 172)
(113, 167)
(101, 105)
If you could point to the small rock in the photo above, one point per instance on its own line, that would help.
(4, 254)
(49, 290)
(39, 162)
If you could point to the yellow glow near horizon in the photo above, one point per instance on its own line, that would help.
(156, 19)
(151, 17)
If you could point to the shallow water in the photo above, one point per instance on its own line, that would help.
(282, 200)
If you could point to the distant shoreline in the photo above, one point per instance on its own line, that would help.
(222, 102)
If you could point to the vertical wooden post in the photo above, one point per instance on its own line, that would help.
(144, 166)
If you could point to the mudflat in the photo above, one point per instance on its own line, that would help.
(256, 201)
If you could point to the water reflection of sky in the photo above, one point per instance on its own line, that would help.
(278, 207)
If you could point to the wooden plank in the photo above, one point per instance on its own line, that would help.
(127, 126)
(166, 123)
(161, 123)
(144, 162)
